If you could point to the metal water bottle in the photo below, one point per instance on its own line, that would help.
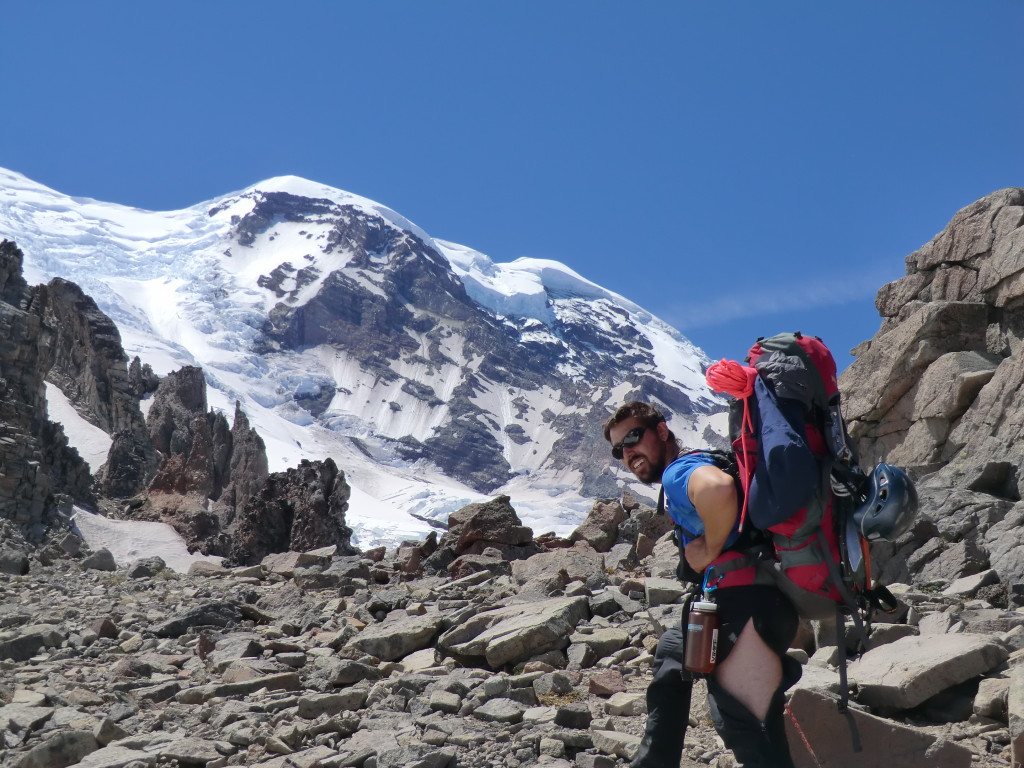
(701, 637)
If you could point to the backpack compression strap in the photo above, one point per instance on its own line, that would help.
(731, 378)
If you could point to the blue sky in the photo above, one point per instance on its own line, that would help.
(737, 168)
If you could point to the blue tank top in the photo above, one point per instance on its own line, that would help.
(676, 481)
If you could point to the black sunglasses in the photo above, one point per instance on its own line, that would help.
(632, 437)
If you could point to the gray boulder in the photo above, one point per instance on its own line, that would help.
(576, 564)
(100, 560)
(517, 632)
(217, 614)
(146, 567)
(905, 673)
(399, 635)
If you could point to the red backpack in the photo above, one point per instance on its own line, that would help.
(801, 483)
(798, 474)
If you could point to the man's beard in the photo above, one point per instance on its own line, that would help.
(650, 470)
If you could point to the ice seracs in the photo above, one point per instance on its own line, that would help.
(432, 375)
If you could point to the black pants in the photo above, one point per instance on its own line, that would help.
(755, 743)
(668, 705)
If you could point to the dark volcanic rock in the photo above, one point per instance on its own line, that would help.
(209, 472)
(486, 524)
(37, 462)
(490, 527)
(300, 509)
(89, 364)
(180, 397)
(90, 368)
(217, 614)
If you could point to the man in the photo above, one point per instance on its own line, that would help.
(746, 691)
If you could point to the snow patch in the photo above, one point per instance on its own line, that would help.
(91, 442)
(130, 540)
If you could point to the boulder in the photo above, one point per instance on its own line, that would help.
(146, 567)
(61, 749)
(905, 673)
(100, 560)
(25, 642)
(493, 523)
(217, 614)
(819, 735)
(399, 635)
(576, 564)
(516, 632)
(286, 563)
(600, 528)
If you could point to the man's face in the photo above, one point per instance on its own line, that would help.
(646, 458)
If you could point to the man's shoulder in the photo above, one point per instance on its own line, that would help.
(694, 458)
(684, 464)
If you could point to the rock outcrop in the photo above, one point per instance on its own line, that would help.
(91, 369)
(89, 364)
(183, 464)
(207, 472)
(480, 536)
(940, 390)
(941, 374)
(299, 509)
(36, 463)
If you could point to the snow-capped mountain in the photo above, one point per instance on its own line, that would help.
(431, 375)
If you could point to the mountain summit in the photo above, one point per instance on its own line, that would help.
(433, 376)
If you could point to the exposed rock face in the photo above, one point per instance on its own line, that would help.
(601, 527)
(89, 364)
(939, 390)
(943, 372)
(35, 458)
(209, 471)
(423, 303)
(179, 399)
(90, 368)
(300, 509)
(421, 331)
(186, 466)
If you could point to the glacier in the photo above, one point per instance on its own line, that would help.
(183, 289)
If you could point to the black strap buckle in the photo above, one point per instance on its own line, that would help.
(882, 599)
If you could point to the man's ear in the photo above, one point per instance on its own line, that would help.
(663, 431)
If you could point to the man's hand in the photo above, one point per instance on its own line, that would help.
(698, 556)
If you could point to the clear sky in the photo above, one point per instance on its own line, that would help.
(737, 168)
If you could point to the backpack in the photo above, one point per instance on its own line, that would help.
(800, 481)
(798, 472)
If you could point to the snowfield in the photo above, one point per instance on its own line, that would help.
(182, 292)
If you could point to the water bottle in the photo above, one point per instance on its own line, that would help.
(701, 637)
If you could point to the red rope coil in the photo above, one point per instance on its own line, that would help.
(732, 378)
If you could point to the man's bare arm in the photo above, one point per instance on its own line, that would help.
(713, 493)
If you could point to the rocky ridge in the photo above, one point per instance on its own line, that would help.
(37, 467)
(939, 390)
(182, 463)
